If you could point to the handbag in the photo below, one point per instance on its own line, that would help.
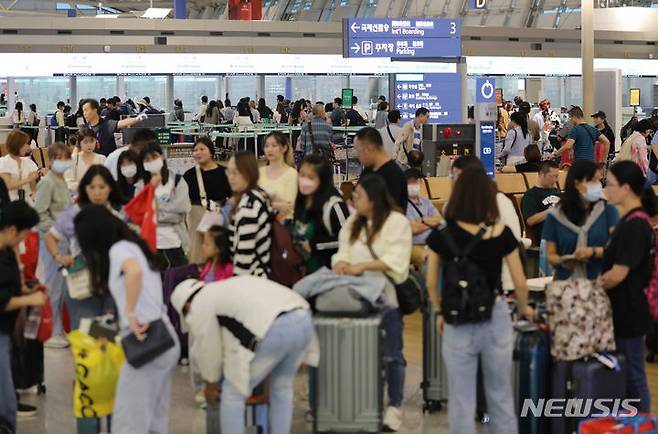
(212, 216)
(78, 279)
(158, 340)
(410, 292)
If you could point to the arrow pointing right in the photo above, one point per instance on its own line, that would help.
(356, 48)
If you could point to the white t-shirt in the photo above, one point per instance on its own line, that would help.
(386, 138)
(112, 161)
(79, 168)
(150, 306)
(10, 166)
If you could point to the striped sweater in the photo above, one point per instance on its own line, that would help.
(250, 232)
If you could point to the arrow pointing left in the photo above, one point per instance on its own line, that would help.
(354, 27)
(356, 48)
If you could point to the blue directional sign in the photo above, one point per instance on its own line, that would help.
(439, 93)
(477, 4)
(407, 37)
(487, 132)
(485, 90)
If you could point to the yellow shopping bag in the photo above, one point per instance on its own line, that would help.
(97, 368)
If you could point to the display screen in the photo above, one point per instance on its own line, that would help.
(439, 93)
(346, 96)
(634, 97)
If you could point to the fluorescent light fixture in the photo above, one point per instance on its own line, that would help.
(155, 13)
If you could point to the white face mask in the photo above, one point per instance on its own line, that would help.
(129, 171)
(154, 166)
(413, 190)
(61, 166)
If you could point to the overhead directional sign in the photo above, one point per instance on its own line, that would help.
(485, 89)
(477, 4)
(439, 93)
(408, 37)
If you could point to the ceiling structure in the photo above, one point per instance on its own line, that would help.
(555, 14)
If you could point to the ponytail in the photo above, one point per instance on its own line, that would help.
(521, 120)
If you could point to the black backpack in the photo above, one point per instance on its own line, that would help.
(466, 296)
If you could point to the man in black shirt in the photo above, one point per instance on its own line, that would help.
(105, 128)
(537, 200)
(601, 124)
(17, 220)
(370, 148)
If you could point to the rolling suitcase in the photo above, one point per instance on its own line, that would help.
(585, 379)
(435, 377)
(349, 382)
(256, 413)
(530, 373)
(94, 425)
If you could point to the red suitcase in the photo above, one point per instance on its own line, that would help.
(641, 423)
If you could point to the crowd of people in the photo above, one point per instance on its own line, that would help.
(243, 327)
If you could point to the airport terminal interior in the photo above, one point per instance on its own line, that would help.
(328, 216)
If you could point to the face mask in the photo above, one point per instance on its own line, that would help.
(154, 166)
(61, 166)
(413, 190)
(594, 192)
(307, 186)
(129, 171)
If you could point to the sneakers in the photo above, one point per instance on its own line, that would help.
(25, 410)
(57, 342)
(392, 419)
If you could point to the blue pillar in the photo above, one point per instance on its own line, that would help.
(289, 88)
(180, 12)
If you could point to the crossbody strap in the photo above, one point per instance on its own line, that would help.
(390, 134)
(202, 188)
(589, 134)
(376, 258)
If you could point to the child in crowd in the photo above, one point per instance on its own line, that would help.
(217, 250)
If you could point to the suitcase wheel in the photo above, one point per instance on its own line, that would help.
(483, 418)
(41, 389)
(432, 406)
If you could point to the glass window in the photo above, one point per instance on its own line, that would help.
(241, 86)
(190, 90)
(551, 88)
(574, 91)
(44, 92)
(152, 86)
(303, 87)
(274, 85)
(329, 87)
(96, 87)
(360, 84)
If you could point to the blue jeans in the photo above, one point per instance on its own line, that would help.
(491, 341)
(7, 391)
(279, 355)
(55, 280)
(636, 377)
(393, 357)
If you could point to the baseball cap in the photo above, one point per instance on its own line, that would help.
(183, 293)
(599, 114)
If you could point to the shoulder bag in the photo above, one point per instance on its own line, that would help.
(78, 279)
(158, 340)
(410, 293)
(212, 215)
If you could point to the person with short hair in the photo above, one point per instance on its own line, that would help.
(338, 114)
(635, 146)
(582, 138)
(601, 124)
(410, 137)
(382, 115)
(539, 199)
(375, 160)
(105, 128)
(85, 157)
(18, 219)
(391, 131)
(17, 170)
(532, 156)
(142, 138)
(316, 134)
(360, 110)
(422, 215)
(51, 198)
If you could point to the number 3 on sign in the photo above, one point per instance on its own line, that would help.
(453, 27)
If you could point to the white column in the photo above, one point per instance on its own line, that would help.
(260, 87)
(169, 94)
(219, 81)
(463, 75)
(11, 95)
(587, 54)
(225, 80)
(73, 85)
(121, 88)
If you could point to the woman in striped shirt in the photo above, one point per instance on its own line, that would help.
(250, 228)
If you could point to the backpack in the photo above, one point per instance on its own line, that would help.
(286, 258)
(53, 120)
(465, 295)
(651, 291)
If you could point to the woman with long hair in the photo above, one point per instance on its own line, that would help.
(213, 114)
(628, 265)
(264, 110)
(376, 241)
(579, 227)
(320, 212)
(18, 116)
(121, 264)
(33, 120)
(97, 187)
(279, 178)
(129, 174)
(471, 218)
(86, 144)
(518, 137)
(171, 194)
(250, 226)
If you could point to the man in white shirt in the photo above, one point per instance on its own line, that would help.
(202, 108)
(356, 107)
(391, 131)
(142, 137)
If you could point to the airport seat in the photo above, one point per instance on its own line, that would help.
(511, 183)
(424, 190)
(439, 187)
(655, 189)
(531, 179)
(562, 179)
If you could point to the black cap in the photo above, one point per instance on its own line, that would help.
(599, 114)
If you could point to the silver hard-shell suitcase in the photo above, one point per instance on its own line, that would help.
(435, 377)
(349, 382)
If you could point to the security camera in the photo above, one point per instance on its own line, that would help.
(107, 48)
